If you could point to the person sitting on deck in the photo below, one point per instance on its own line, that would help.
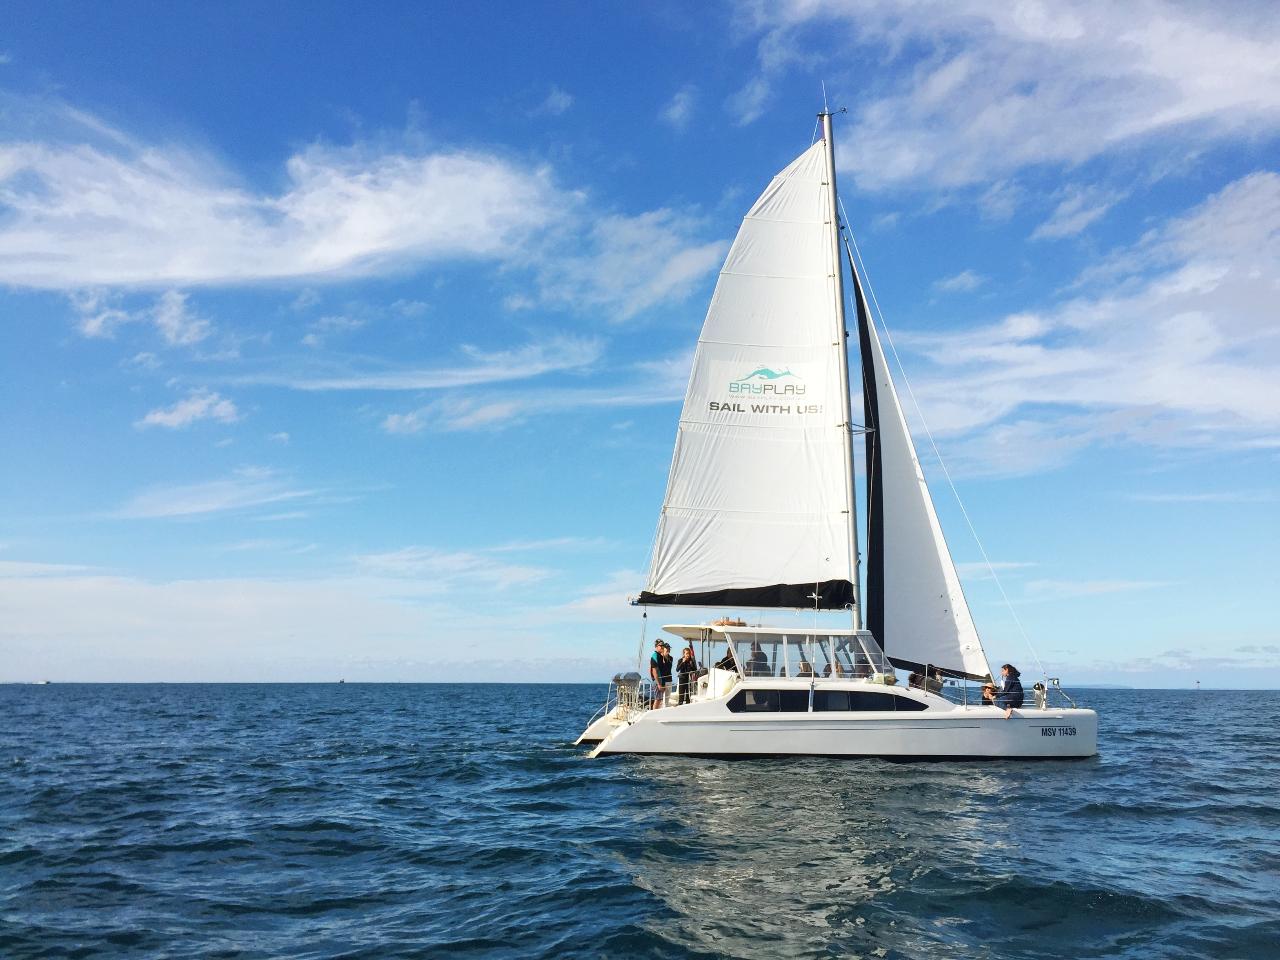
(1011, 696)
(988, 694)
(727, 662)
(806, 668)
(758, 663)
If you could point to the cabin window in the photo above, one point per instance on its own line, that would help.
(769, 701)
(860, 700)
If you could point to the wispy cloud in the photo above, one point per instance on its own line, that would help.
(556, 102)
(627, 264)
(334, 324)
(1081, 207)
(91, 208)
(101, 315)
(647, 383)
(198, 405)
(247, 488)
(476, 366)
(550, 543)
(963, 282)
(1218, 496)
(27, 568)
(747, 105)
(679, 111)
(1173, 345)
(606, 601)
(980, 570)
(448, 566)
(1065, 589)
(1006, 79)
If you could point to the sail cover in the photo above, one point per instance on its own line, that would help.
(914, 605)
(757, 508)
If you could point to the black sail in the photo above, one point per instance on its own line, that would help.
(873, 610)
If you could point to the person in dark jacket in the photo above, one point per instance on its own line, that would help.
(1011, 696)
(686, 667)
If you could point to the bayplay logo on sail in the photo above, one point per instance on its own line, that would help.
(762, 382)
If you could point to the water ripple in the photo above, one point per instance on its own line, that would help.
(375, 821)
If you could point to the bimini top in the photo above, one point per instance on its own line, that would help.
(719, 631)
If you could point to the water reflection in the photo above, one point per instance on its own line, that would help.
(760, 857)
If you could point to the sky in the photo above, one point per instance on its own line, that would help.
(349, 341)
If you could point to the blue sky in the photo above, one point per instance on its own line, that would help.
(350, 342)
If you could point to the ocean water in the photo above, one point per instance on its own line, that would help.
(450, 820)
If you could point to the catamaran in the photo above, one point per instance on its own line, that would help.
(760, 514)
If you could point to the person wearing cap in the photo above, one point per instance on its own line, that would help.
(660, 671)
(655, 672)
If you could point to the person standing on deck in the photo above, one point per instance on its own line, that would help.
(686, 668)
(655, 674)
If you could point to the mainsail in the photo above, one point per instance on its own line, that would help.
(914, 604)
(758, 506)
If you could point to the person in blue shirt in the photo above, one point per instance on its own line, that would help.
(1011, 695)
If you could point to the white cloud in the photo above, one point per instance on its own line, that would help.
(632, 263)
(320, 330)
(90, 208)
(112, 212)
(175, 321)
(247, 488)
(747, 105)
(557, 102)
(647, 383)
(101, 316)
(553, 354)
(26, 568)
(998, 84)
(1221, 496)
(1174, 344)
(605, 602)
(981, 570)
(962, 282)
(435, 568)
(679, 111)
(1065, 589)
(198, 405)
(363, 626)
(1081, 207)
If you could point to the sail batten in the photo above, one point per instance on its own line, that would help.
(756, 511)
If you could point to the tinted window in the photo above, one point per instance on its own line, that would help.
(831, 700)
(770, 701)
(754, 701)
(862, 700)
(794, 701)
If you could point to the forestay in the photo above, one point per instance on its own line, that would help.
(756, 511)
(914, 606)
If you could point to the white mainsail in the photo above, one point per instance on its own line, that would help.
(757, 510)
(915, 605)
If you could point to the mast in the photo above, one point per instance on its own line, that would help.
(842, 339)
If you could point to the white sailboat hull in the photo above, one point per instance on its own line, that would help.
(945, 731)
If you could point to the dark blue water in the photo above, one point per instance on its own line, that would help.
(412, 821)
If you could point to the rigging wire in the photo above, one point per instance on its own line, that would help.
(936, 452)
